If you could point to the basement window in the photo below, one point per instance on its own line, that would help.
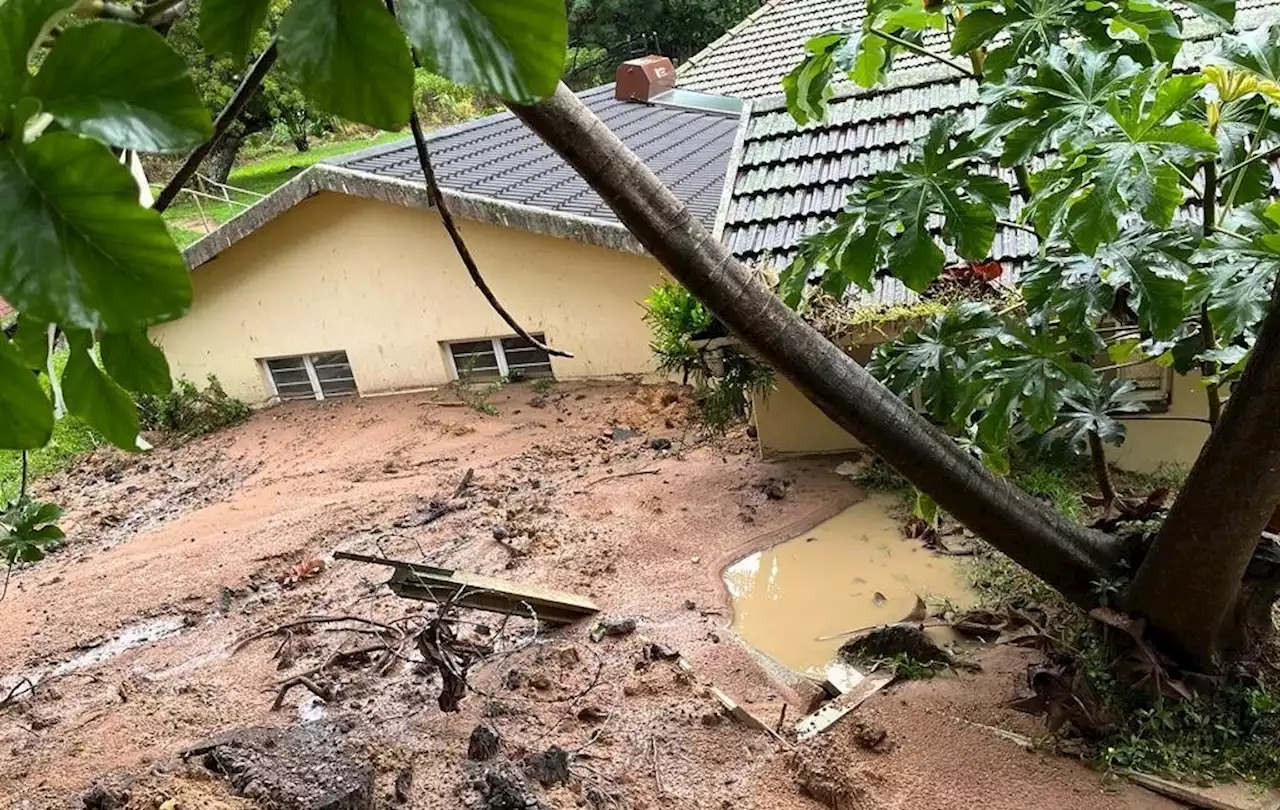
(1153, 385)
(311, 376)
(491, 359)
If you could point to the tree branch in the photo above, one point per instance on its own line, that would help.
(1008, 223)
(1066, 555)
(922, 51)
(239, 100)
(450, 225)
(1208, 368)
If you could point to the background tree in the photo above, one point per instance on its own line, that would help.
(279, 103)
(680, 28)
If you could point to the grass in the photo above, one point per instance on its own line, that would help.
(257, 177)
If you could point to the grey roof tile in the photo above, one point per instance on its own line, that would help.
(792, 180)
(499, 157)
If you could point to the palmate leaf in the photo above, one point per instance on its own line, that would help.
(1063, 104)
(124, 85)
(27, 529)
(1152, 267)
(1234, 277)
(1093, 409)
(351, 59)
(887, 221)
(1132, 166)
(513, 49)
(1254, 51)
(939, 360)
(76, 249)
(1027, 376)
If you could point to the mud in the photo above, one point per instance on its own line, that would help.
(206, 530)
(796, 601)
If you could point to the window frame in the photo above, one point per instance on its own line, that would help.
(499, 353)
(308, 363)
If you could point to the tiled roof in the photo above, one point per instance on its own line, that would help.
(498, 157)
(792, 180)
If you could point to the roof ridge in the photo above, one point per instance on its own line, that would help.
(693, 61)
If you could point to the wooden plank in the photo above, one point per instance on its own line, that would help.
(1213, 797)
(831, 712)
(397, 564)
(493, 595)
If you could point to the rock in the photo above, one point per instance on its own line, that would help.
(568, 656)
(712, 719)
(484, 743)
(689, 604)
(660, 443)
(499, 533)
(660, 652)
(538, 401)
(891, 640)
(504, 789)
(592, 714)
(540, 681)
(549, 767)
(871, 737)
(307, 767)
(622, 433)
(752, 431)
(103, 797)
(774, 489)
(617, 626)
(513, 679)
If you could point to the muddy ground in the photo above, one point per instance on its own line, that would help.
(183, 551)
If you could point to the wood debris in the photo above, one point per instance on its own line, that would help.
(832, 712)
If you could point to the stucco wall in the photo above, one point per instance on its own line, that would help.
(383, 283)
(788, 424)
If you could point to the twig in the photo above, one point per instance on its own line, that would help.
(243, 95)
(446, 217)
(782, 718)
(657, 767)
(13, 693)
(922, 51)
(299, 680)
(1008, 223)
(309, 620)
(620, 475)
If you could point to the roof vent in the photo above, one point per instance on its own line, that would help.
(644, 78)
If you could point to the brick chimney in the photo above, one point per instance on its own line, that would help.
(645, 78)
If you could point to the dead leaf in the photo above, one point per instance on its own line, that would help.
(918, 613)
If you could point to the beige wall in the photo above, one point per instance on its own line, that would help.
(788, 424)
(383, 283)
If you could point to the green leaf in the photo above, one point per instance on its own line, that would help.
(976, 29)
(513, 49)
(94, 398)
(26, 415)
(925, 508)
(227, 26)
(124, 85)
(350, 58)
(791, 283)
(135, 362)
(31, 339)
(1254, 51)
(870, 57)
(22, 23)
(77, 249)
(808, 84)
(1220, 12)
(1153, 266)
(1093, 409)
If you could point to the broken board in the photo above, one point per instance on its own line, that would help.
(429, 584)
(831, 712)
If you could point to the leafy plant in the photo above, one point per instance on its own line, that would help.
(189, 411)
(723, 375)
(27, 531)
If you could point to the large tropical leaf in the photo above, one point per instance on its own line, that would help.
(1028, 374)
(93, 397)
(350, 58)
(808, 85)
(513, 49)
(28, 415)
(889, 219)
(1093, 409)
(76, 248)
(21, 24)
(1152, 268)
(124, 85)
(135, 362)
(228, 26)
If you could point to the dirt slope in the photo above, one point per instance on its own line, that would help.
(190, 542)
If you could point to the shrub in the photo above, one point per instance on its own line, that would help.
(189, 411)
(440, 101)
(724, 377)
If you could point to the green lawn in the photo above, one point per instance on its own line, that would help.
(259, 177)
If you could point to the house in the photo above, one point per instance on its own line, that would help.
(789, 181)
(344, 281)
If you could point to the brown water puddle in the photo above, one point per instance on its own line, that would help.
(855, 570)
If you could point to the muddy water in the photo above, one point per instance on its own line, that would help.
(855, 570)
